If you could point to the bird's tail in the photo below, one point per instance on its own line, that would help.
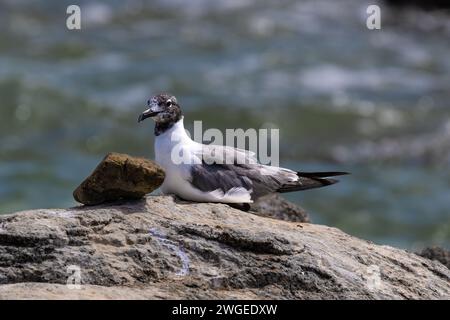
(311, 180)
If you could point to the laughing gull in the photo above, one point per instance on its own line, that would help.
(213, 173)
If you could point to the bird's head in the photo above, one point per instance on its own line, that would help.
(162, 108)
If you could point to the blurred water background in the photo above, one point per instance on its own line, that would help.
(375, 103)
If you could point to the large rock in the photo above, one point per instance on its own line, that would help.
(119, 176)
(275, 206)
(163, 248)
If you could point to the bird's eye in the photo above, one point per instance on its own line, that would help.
(168, 103)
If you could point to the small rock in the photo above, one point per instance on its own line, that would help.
(275, 206)
(120, 176)
(436, 253)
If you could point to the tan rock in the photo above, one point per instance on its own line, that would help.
(120, 176)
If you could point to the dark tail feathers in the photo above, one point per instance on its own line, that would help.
(310, 180)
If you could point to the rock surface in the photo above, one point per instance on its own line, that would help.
(119, 176)
(275, 206)
(437, 253)
(159, 248)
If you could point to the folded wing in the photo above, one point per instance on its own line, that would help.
(226, 169)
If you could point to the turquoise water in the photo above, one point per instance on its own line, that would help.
(344, 98)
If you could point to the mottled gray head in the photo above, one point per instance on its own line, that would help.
(162, 108)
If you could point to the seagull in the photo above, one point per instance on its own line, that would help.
(214, 173)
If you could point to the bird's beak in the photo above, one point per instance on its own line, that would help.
(150, 112)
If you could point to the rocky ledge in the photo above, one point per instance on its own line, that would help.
(163, 248)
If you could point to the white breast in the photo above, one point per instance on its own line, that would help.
(166, 146)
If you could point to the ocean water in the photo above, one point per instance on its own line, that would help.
(374, 103)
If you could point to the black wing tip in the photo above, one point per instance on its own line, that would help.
(309, 183)
(322, 174)
(327, 182)
(342, 173)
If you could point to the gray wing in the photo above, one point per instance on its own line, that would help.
(225, 168)
(241, 170)
(210, 177)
